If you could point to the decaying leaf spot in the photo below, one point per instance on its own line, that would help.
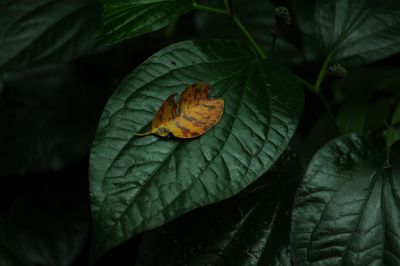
(194, 114)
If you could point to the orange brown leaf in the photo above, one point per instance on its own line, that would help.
(191, 117)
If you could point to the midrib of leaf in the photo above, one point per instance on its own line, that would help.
(223, 145)
(178, 145)
(146, 85)
(361, 211)
(312, 236)
(271, 229)
(46, 30)
(383, 216)
(236, 233)
(393, 188)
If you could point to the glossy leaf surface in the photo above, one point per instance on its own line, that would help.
(140, 183)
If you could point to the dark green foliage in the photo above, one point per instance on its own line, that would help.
(302, 169)
(140, 183)
(347, 206)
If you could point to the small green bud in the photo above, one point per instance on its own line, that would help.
(282, 16)
(337, 72)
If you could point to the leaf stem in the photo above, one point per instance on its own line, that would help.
(322, 72)
(249, 37)
(144, 134)
(228, 12)
(210, 9)
(308, 85)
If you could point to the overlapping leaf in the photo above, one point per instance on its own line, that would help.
(139, 183)
(347, 209)
(37, 31)
(123, 19)
(250, 229)
(360, 31)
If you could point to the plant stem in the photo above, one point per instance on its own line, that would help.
(210, 9)
(249, 37)
(308, 85)
(228, 12)
(322, 72)
(228, 7)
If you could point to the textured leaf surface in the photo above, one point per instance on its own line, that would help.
(250, 229)
(123, 19)
(359, 31)
(47, 117)
(140, 183)
(193, 116)
(347, 209)
(37, 31)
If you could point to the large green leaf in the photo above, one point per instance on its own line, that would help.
(48, 118)
(123, 19)
(49, 229)
(347, 209)
(359, 31)
(249, 229)
(37, 31)
(140, 183)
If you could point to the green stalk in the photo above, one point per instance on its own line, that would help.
(322, 72)
(249, 37)
(210, 9)
(228, 12)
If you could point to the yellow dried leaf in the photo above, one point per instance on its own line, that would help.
(191, 117)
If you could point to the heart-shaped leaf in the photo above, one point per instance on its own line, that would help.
(347, 209)
(139, 183)
(37, 31)
(359, 31)
(123, 19)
